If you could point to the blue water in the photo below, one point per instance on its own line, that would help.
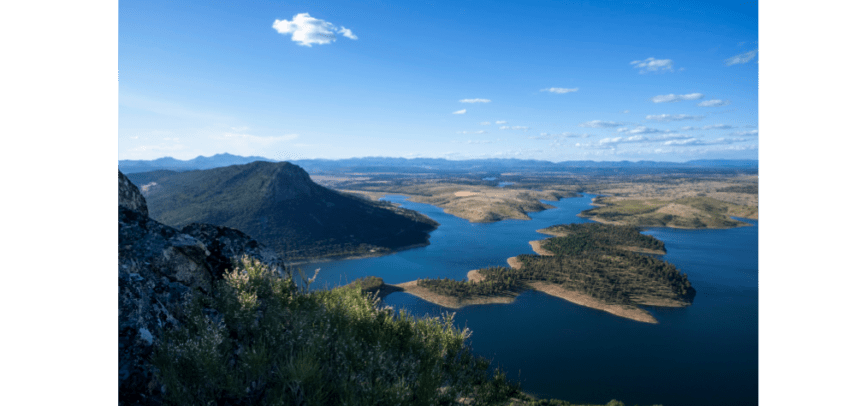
(704, 354)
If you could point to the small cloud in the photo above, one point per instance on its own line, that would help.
(717, 127)
(672, 117)
(641, 130)
(484, 123)
(670, 98)
(713, 103)
(668, 137)
(746, 133)
(475, 101)
(472, 132)
(308, 31)
(688, 141)
(559, 90)
(600, 124)
(346, 32)
(653, 65)
(501, 122)
(742, 58)
(626, 111)
(615, 140)
(548, 136)
(460, 112)
(515, 127)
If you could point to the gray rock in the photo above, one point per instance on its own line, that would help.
(130, 196)
(159, 268)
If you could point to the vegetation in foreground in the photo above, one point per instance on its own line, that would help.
(261, 340)
(593, 259)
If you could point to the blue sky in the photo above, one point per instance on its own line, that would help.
(667, 81)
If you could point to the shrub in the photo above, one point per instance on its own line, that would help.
(260, 340)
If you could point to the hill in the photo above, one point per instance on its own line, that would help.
(172, 164)
(280, 206)
(436, 165)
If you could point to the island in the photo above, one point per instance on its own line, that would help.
(605, 267)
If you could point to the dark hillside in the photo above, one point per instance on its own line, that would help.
(279, 205)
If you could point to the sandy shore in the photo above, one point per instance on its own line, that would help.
(629, 312)
(412, 288)
(537, 246)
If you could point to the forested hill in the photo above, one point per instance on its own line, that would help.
(277, 204)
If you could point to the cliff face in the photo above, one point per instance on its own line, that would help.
(158, 267)
(130, 197)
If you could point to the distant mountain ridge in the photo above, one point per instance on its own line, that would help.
(279, 205)
(172, 164)
(408, 165)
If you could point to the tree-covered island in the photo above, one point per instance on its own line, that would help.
(601, 266)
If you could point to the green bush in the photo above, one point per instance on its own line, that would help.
(261, 340)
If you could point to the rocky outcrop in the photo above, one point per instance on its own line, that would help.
(227, 245)
(159, 266)
(130, 196)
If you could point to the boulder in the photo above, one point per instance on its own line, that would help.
(159, 268)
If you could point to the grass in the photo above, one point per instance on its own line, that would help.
(263, 340)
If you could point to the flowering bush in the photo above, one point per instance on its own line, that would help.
(261, 340)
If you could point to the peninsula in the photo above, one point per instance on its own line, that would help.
(604, 267)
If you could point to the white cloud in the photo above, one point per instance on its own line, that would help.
(347, 33)
(475, 101)
(709, 127)
(515, 127)
(600, 124)
(460, 112)
(717, 127)
(672, 117)
(559, 90)
(548, 136)
(713, 103)
(308, 31)
(688, 141)
(742, 58)
(752, 132)
(697, 142)
(472, 132)
(484, 123)
(668, 137)
(501, 122)
(641, 130)
(669, 98)
(626, 111)
(653, 65)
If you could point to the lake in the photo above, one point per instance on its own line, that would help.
(704, 354)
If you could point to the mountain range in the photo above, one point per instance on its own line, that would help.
(408, 165)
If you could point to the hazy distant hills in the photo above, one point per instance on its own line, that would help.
(201, 162)
(277, 204)
(417, 165)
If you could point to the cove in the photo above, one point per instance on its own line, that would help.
(704, 354)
